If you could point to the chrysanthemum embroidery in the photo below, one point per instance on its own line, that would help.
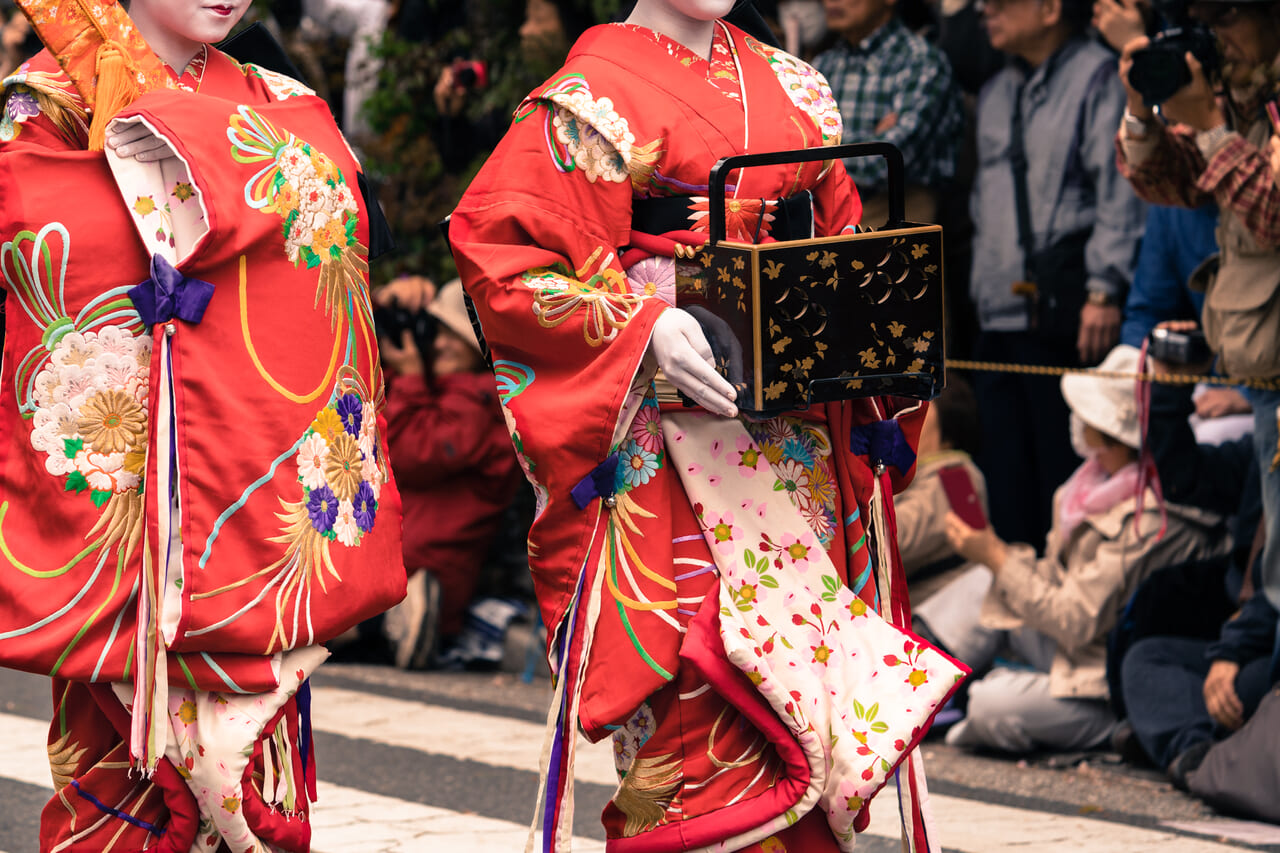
(341, 470)
(305, 188)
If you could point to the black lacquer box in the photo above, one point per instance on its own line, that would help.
(797, 322)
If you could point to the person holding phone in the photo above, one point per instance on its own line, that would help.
(1109, 533)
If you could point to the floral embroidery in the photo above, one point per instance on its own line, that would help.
(654, 276)
(646, 429)
(28, 94)
(746, 220)
(633, 735)
(91, 411)
(306, 189)
(800, 455)
(807, 89)
(282, 87)
(587, 133)
(636, 466)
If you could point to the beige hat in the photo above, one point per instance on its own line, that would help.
(1107, 404)
(450, 308)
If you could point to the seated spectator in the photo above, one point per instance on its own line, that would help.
(453, 462)
(945, 469)
(1162, 676)
(892, 86)
(1055, 612)
(1183, 694)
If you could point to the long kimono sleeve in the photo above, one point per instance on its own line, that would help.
(536, 241)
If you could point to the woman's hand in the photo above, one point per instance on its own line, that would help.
(139, 142)
(685, 357)
(977, 546)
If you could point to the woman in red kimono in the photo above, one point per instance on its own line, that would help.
(194, 491)
(694, 569)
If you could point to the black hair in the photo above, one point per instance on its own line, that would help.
(957, 408)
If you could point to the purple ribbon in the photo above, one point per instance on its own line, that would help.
(882, 442)
(169, 294)
(600, 483)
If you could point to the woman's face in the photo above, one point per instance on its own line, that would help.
(694, 10)
(194, 21)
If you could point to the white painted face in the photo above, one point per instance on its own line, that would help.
(193, 21)
(692, 10)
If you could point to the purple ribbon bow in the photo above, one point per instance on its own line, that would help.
(882, 442)
(600, 483)
(169, 294)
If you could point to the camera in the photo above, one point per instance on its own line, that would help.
(469, 75)
(1173, 347)
(391, 321)
(1160, 69)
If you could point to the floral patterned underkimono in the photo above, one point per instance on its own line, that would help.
(708, 584)
(194, 492)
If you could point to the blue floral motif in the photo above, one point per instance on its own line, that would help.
(322, 507)
(366, 507)
(798, 450)
(350, 410)
(636, 466)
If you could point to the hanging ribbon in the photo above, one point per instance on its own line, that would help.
(169, 294)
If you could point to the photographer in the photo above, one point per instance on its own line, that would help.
(1216, 147)
(451, 456)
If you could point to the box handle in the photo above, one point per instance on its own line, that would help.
(897, 182)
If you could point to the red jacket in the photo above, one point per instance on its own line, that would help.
(457, 472)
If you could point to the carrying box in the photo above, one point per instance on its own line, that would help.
(830, 318)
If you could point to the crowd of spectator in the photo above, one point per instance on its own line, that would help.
(1102, 553)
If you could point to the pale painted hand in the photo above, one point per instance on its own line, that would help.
(684, 355)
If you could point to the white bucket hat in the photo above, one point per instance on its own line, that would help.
(1107, 404)
(450, 309)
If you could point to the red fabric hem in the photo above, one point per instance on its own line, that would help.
(704, 651)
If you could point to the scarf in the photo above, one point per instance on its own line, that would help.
(1091, 491)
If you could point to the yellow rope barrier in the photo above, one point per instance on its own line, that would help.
(1164, 378)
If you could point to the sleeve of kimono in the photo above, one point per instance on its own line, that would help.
(836, 203)
(536, 242)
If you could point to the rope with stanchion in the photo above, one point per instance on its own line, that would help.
(1164, 378)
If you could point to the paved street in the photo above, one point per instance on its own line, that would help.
(442, 763)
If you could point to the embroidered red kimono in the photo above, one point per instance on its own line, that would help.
(193, 482)
(625, 554)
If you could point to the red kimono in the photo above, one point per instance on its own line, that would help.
(193, 480)
(622, 547)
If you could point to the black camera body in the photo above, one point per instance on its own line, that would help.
(1182, 348)
(1160, 69)
(391, 321)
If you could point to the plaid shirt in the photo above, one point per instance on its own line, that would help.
(895, 71)
(1167, 167)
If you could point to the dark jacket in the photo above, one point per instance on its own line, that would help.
(457, 473)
